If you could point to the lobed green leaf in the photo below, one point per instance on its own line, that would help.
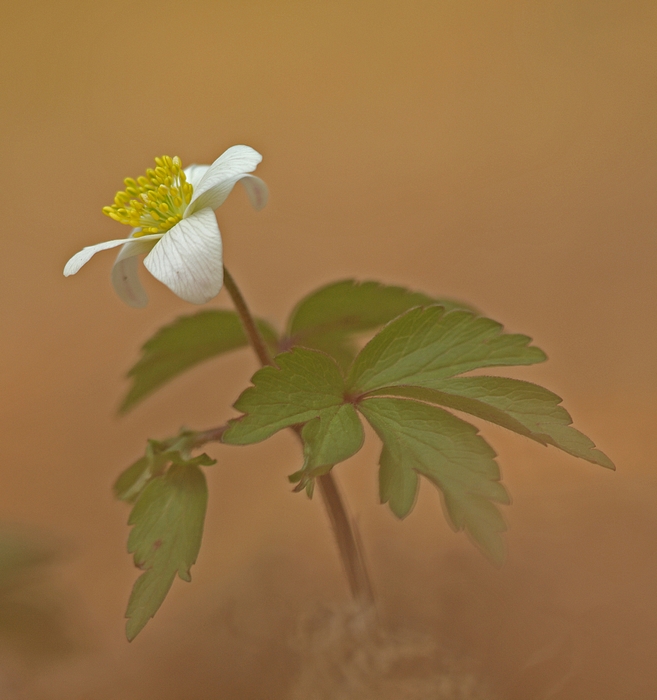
(424, 439)
(303, 386)
(328, 318)
(427, 345)
(158, 456)
(183, 344)
(167, 522)
(133, 480)
(523, 407)
(334, 436)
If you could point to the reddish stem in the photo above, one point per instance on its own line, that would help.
(344, 529)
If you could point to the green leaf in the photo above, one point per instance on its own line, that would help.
(159, 455)
(334, 436)
(425, 346)
(328, 318)
(133, 480)
(424, 439)
(520, 406)
(305, 385)
(166, 537)
(183, 344)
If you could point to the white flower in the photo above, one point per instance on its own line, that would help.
(172, 211)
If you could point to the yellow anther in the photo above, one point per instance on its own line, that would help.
(154, 202)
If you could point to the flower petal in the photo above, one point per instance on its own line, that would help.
(188, 258)
(257, 191)
(85, 255)
(125, 278)
(221, 176)
(194, 174)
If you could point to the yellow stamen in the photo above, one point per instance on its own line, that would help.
(155, 202)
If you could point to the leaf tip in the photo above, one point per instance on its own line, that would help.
(132, 629)
(185, 573)
(605, 462)
(497, 558)
(124, 407)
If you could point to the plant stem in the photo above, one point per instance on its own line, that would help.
(346, 538)
(249, 324)
(211, 435)
(344, 530)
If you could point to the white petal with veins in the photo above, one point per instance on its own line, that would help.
(125, 278)
(256, 190)
(194, 174)
(85, 255)
(221, 177)
(188, 259)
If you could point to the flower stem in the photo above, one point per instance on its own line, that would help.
(250, 327)
(344, 530)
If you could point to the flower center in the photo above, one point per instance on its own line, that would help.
(154, 202)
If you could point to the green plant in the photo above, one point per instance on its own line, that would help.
(314, 380)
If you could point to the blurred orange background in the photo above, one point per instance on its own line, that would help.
(503, 153)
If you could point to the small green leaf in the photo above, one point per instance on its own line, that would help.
(328, 318)
(133, 480)
(166, 537)
(425, 346)
(329, 439)
(448, 451)
(520, 406)
(159, 455)
(183, 344)
(334, 436)
(305, 384)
